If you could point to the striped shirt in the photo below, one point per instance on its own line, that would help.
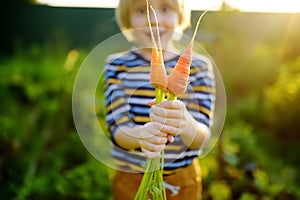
(127, 92)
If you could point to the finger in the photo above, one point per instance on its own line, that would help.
(169, 130)
(170, 138)
(152, 147)
(152, 102)
(150, 130)
(150, 154)
(166, 112)
(155, 139)
(175, 104)
(166, 121)
(158, 140)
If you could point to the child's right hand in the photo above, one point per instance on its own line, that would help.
(152, 141)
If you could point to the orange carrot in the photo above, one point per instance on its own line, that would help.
(178, 79)
(152, 184)
(158, 75)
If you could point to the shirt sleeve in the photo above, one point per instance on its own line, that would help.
(202, 91)
(116, 100)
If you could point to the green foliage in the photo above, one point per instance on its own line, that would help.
(86, 181)
(220, 190)
(247, 196)
(246, 169)
(256, 157)
(43, 157)
(283, 95)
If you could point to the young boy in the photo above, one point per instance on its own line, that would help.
(180, 128)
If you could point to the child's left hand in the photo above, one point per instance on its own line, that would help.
(172, 116)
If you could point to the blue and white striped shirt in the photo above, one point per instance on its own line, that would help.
(127, 92)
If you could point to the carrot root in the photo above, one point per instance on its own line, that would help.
(178, 79)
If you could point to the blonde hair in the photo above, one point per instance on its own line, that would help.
(122, 14)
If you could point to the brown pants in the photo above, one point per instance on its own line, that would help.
(125, 185)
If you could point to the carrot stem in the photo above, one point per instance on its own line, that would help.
(152, 184)
(171, 96)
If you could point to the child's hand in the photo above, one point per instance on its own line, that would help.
(170, 137)
(152, 140)
(172, 117)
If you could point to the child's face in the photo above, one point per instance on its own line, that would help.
(167, 16)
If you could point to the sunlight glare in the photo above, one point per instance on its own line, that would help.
(287, 6)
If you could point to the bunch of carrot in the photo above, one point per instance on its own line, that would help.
(152, 184)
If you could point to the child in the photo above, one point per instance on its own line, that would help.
(180, 127)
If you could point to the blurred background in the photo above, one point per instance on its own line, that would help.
(256, 51)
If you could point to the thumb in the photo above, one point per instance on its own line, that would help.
(152, 102)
